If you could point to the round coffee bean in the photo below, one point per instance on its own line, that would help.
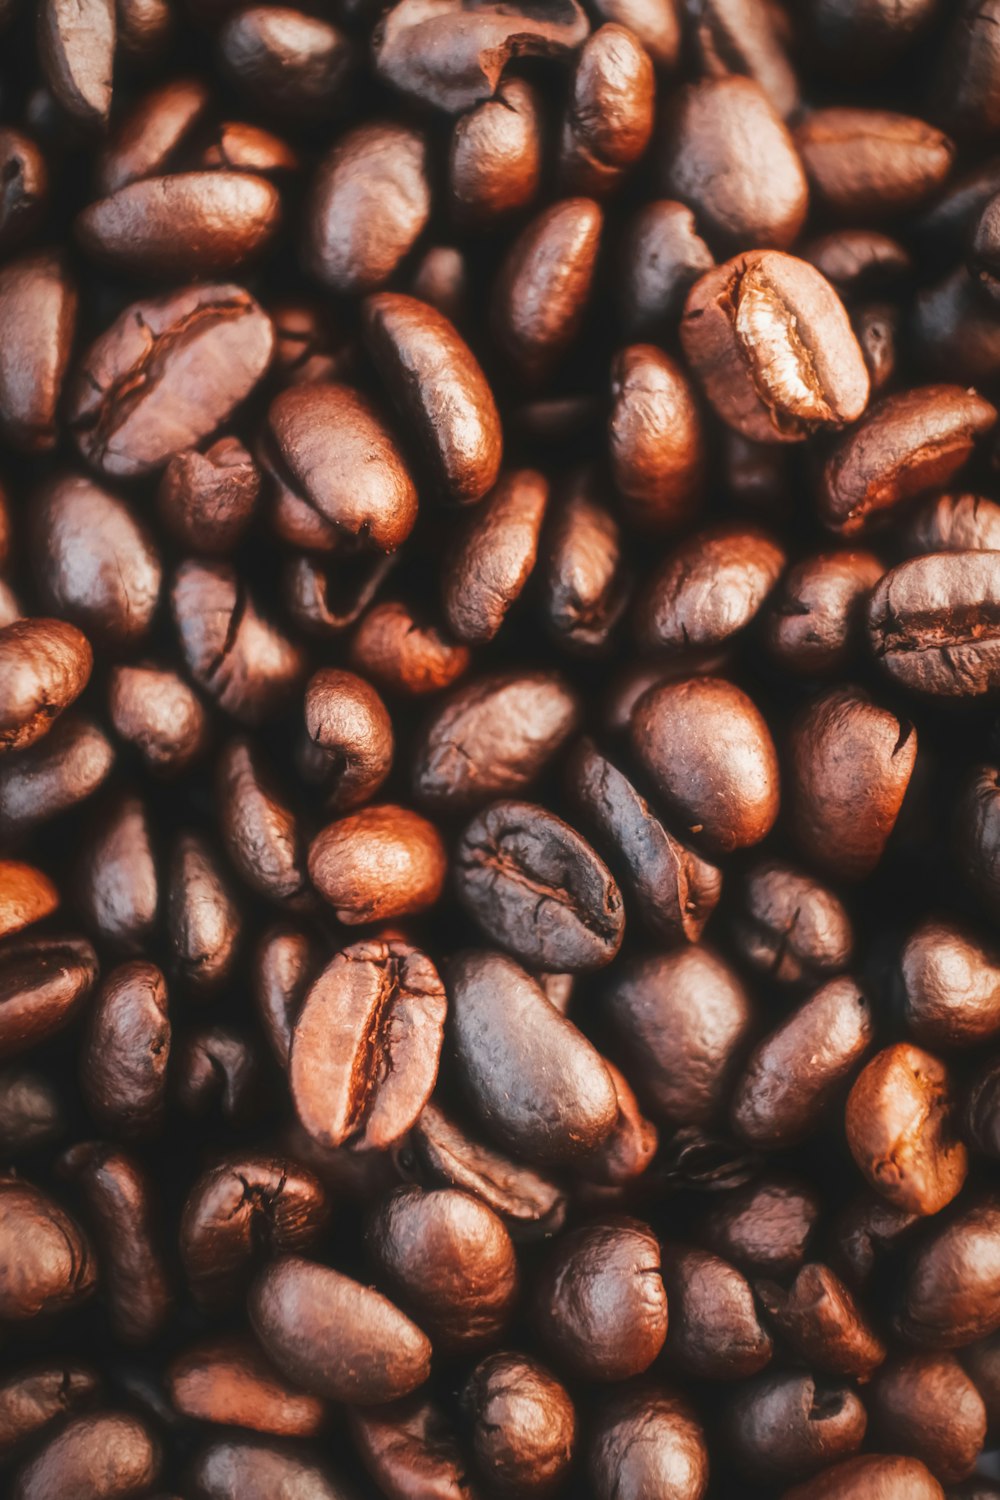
(523, 1425)
(791, 928)
(821, 1323)
(931, 623)
(714, 1332)
(107, 1456)
(647, 1440)
(495, 156)
(44, 667)
(657, 445)
(47, 1261)
(378, 864)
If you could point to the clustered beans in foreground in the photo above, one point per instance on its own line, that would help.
(500, 750)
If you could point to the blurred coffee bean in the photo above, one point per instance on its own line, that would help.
(866, 1231)
(27, 895)
(44, 666)
(123, 1066)
(203, 921)
(927, 1405)
(410, 1444)
(229, 1382)
(888, 1476)
(657, 448)
(403, 654)
(74, 760)
(152, 708)
(43, 983)
(240, 1468)
(858, 261)
(38, 304)
(24, 188)
(609, 116)
(286, 61)
(207, 500)
(661, 254)
(77, 49)
(950, 986)
(869, 164)
(955, 522)
(39, 1396)
(791, 927)
(107, 1456)
(31, 1112)
(950, 1293)
(46, 1259)
(118, 887)
(968, 67)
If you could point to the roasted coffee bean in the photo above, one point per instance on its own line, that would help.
(714, 1332)
(523, 1426)
(259, 831)
(43, 983)
(888, 1476)
(955, 523)
(207, 500)
(850, 763)
(544, 287)
(745, 37)
(31, 1112)
(858, 260)
(38, 1396)
(538, 1086)
(107, 1456)
(656, 439)
(600, 1304)
(118, 887)
(247, 1469)
(324, 599)
(967, 71)
(152, 708)
(285, 966)
(24, 188)
(351, 732)
(771, 343)
(868, 1229)
(905, 445)
(490, 559)
(166, 374)
(335, 1337)
(435, 380)
(681, 1019)
(495, 156)
(26, 896)
(727, 155)
(448, 1259)
(69, 766)
(901, 1129)
(821, 1323)
(217, 1072)
(868, 164)
(76, 49)
(229, 1381)
(764, 1226)
(146, 141)
(661, 254)
(707, 590)
(951, 1290)
(126, 1051)
(709, 754)
(645, 1440)
(378, 864)
(625, 1154)
(815, 623)
(404, 655)
(791, 927)
(44, 666)
(781, 1427)
(978, 834)
(410, 1445)
(609, 116)
(950, 986)
(585, 576)
(288, 62)
(932, 623)
(927, 1405)
(47, 1261)
(203, 921)
(366, 1043)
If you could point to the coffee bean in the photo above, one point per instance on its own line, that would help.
(867, 164)
(118, 884)
(791, 927)
(230, 1382)
(626, 1153)
(858, 261)
(490, 559)
(951, 1290)
(967, 71)
(815, 623)
(126, 1051)
(44, 666)
(38, 1397)
(47, 1261)
(107, 1456)
(244, 1469)
(289, 62)
(927, 1405)
(77, 49)
(707, 590)
(325, 598)
(977, 827)
(661, 255)
(24, 188)
(153, 708)
(377, 864)
(714, 1332)
(544, 286)
(764, 1226)
(523, 1425)
(259, 832)
(865, 1232)
(203, 920)
(781, 1427)
(146, 140)
(950, 986)
(495, 156)
(207, 499)
(821, 1323)
(404, 655)
(855, 1478)
(657, 446)
(26, 896)
(217, 1075)
(350, 733)
(410, 1445)
(74, 760)
(644, 1440)
(931, 623)
(585, 576)
(609, 116)
(744, 38)
(38, 303)
(43, 983)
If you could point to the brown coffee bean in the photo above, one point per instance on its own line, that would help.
(46, 1263)
(977, 826)
(165, 375)
(27, 895)
(152, 708)
(647, 1440)
(350, 740)
(217, 1075)
(258, 830)
(378, 864)
(600, 1305)
(727, 155)
(544, 287)
(38, 303)
(535, 1082)
(902, 1131)
(877, 330)
(449, 1260)
(714, 1332)
(285, 965)
(866, 1231)
(369, 203)
(118, 887)
(858, 260)
(951, 1289)
(246, 1469)
(625, 1154)
(661, 254)
(144, 29)
(24, 188)
(335, 1337)
(710, 756)
(286, 61)
(324, 598)
(791, 928)
(40, 1395)
(441, 391)
(967, 72)
(73, 762)
(850, 763)
(815, 623)
(403, 655)
(203, 921)
(495, 156)
(452, 56)
(657, 446)
(931, 623)
(145, 142)
(980, 1361)
(820, 1322)
(491, 557)
(927, 1405)
(229, 1381)
(772, 344)
(107, 1456)
(408, 1445)
(44, 666)
(744, 37)
(909, 443)
(954, 522)
(365, 1046)
(585, 576)
(76, 47)
(492, 738)
(950, 986)
(118, 1201)
(609, 116)
(123, 1061)
(43, 983)
(206, 500)
(889, 1477)
(869, 164)
(681, 1019)
(796, 1072)
(764, 1226)
(953, 330)
(780, 1427)
(707, 589)
(523, 1426)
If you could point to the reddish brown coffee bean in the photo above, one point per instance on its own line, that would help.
(609, 116)
(955, 522)
(350, 737)
(538, 1086)
(866, 1231)
(815, 623)
(107, 1456)
(977, 826)
(926, 1405)
(144, 143)
(950, 986)
(780, 1427)
(657, 446)
(661, 255)
(43, 983)
(772, 344)
(38, 303)
(492, 738)
(217, 1075)
(153, 709)
(119, 1203)
(820, 1322)
(369, 203)
(76, 49)
(728, 156)
(335, 1337)
(490, 560)
(796, 1072)
(544, 287)
(858, 260)
(285, 965)
(710, 756)
(629, 1150)
(449, 1261)
(600, 1304)
(203, 921)
(745, 38)
(647, 1440)
(73, 762)
(31, 1114)
(287, 61)
(27, 895)
(144, 29)
(408, 1445)
(906, 444)
(118, 885)
(46, 1262)
(951, 1289)
(365, 1046)
(495, 156)
(206, 500)
(230, 1382)
(889, 1477)
(791, 928)
(258, 830)
(585, 575)
(378, 864)
(123, 1062)
(714, 1332)
(252, 1470)
(707, 589)
(404, 655)
(44, 666)
(523, 1425)
(435, 380)
(681, 1019)
(451, 55)
(868, 164)
(931, 623)
(38, 1396)
(165, 375)
(850, 763)
(764, 1226)
(244, 1207)
(24, 188)
(902, 1131)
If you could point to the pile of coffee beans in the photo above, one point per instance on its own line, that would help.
(500, 750)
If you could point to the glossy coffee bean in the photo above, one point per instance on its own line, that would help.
(68, 767)
(544, 287)
(43, 983)
(126, 1051)
(791, 927)
(490, 559)
(378, 864)
(950, 1294)
(106, 1456)
(866, 1231)
(228, 1381)
(207, 500)
(930, 623)
(153, 709)
(410, 1445)
(707, 590)
(350, 737)
(815, 624)
(287, 61)
(764, 1226)
(44, 666)
(927, 1405)
(645, 1440)
(204, 923)
(609, 117)
(781, 1427)
(714, 1332)
(818, 1319)
(48, 1261)
(77, 51)
(495, 156)
(628, 1151)
(950, 986)
(889, 1476)
(119, 888)
(232, 1467)
(868, 164)
(403, 654)
(955, 522)
(25, 190)
(523, 1425)
(661, 254)
(657, 446)
(258, 830)
(977, 830)
(27, 895)
(40, 1395)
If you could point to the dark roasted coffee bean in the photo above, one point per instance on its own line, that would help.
(40, 1395)
(286, 61)
(44, 666)
(523, 1426)
(888, 1476)
(661, 254)
(815, 623)
(76, 49)
(981, 1116)
(585, 576)
(714, 1332)
(206, 500)
(625, 1154)
(656, 439)
(409, 1447)
(378, 864)
(285, 966)
(366, 1044)
(820, 1322)
(323, 599)
(350, 737)
(126, 1051)
(953, 330)
(707, 590)
(647, 1440)
(495, 156)
(217, 1073)
(403, 654)
(490, 559)
(781, 1427)
(544, 287)
(43, 983)
(927, 1405)
(46, 1261)
(258, 830)
(534, 1080)
(609, 116)
(229, 1381)
(977, 829)
(951, 1290)
(934, 623)
(203, 920)
(764, 1226)
(791, 927)
(858, 261)
(950, 986)
(74, 760)
(743, 37)
(877, 329)
(868, 164)
(38, 302)
(31, 1111)
(107, 1456)
(118, 886)
(866, 1231)
(24, 188)
(967, 71)
(146, 141)
(152, 708)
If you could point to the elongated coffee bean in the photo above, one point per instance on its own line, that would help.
(934, 623)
